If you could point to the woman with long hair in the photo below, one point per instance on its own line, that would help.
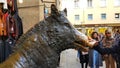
(95, 59)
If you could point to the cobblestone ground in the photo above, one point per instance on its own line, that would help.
(69, 59)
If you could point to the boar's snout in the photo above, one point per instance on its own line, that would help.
(82, 40)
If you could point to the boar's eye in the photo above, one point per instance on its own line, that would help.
(67, 24)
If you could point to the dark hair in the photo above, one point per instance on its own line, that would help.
(92, 35)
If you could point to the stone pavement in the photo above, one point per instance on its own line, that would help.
(68, 59)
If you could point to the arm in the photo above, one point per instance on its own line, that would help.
(111, 50)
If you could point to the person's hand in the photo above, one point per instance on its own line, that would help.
(96, 43)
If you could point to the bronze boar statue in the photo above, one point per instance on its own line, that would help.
(41, 46)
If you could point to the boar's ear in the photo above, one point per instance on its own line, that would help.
(63, 17)
(54, 10)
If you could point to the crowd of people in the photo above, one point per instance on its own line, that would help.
(95, 56)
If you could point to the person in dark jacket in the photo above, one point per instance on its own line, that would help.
(115, 49)
(84, 58)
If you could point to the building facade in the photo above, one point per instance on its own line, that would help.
(90, 15)
(33, 11)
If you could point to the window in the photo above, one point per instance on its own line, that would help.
(117, 15)
(76, 3)
(103, 3)
(46, 12)
(117, 2)
(89, 2)
(103, 16)
(77, 17)
(90, 16)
